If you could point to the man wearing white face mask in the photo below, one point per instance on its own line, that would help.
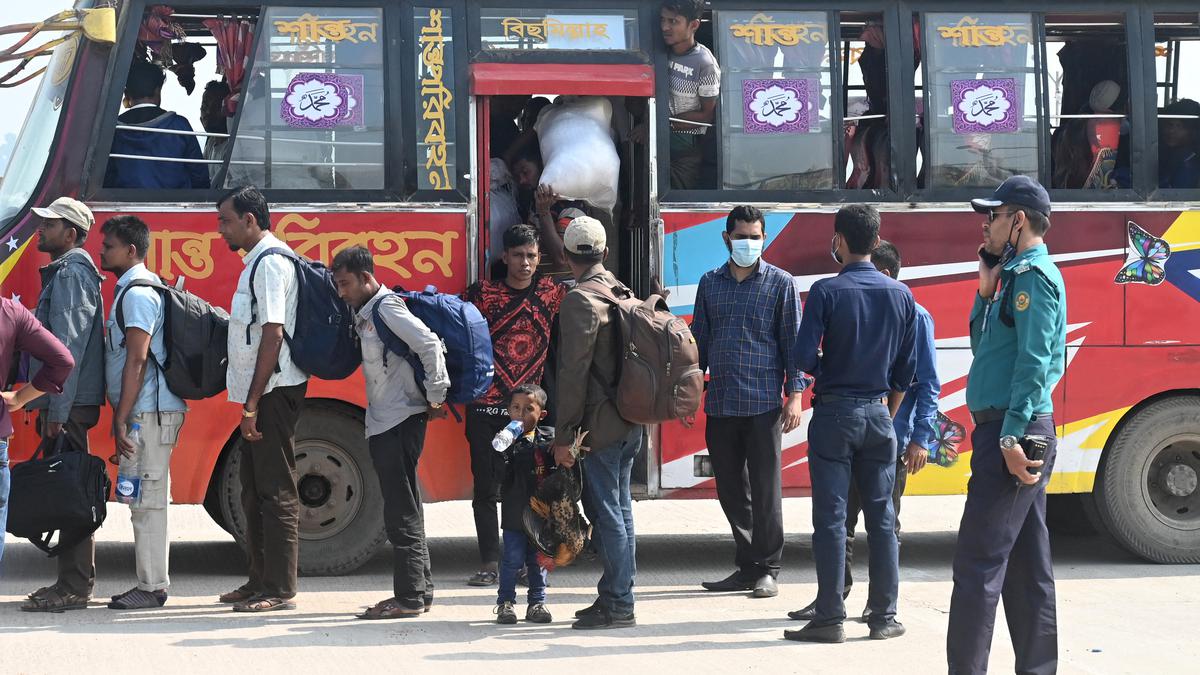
(746, 319)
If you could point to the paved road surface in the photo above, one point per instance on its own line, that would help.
(1116, 613)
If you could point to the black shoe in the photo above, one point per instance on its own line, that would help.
(483, 578)
(537, 613)
(428, 601)
(765, 587)
(604, 619)
(884, 631)
(829, 634)
(866, 615)
(734, 582)
(807, 614)
(590, 609)
(505, 613)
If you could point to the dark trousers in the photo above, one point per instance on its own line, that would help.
(487, 470)
(76, 565)
(395, 454)
(854, 506)
(851, 440)
(520, 553)
(269, 496)
(1003, 551)
(745, 459)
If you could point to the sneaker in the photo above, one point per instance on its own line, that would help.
(604, 619)
(537, 613)
(505, 613)
(884, 631)
(483, 578)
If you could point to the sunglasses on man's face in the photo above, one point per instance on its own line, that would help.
(993, 214)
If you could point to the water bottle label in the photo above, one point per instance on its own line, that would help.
(129, 489)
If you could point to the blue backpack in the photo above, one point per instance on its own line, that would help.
(324, 343)
(463, 330)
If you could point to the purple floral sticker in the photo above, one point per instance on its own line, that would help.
(986, 106)
(323, 101)
(778, 106)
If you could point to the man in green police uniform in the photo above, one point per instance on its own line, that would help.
(1018, 337)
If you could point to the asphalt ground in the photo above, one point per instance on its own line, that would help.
(1116, 613)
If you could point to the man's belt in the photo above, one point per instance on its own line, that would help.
(996, 415)
(834, 398)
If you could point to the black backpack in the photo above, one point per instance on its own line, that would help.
(195, 335)
(324, 343)
(64, 490)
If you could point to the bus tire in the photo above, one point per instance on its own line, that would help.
(1067, 515)
(341, 505)
(1146, 489)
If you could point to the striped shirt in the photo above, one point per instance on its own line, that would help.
(694, 75)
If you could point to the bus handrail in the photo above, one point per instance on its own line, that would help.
(207, 134)
(182, 160)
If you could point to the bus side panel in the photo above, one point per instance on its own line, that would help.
(1166, 312)
(411, 249)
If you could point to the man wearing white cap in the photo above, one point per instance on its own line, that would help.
(70, 308)
(588, 364)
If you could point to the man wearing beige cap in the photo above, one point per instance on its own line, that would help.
(70, 308)
(588, 365)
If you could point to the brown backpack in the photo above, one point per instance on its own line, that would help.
(659, 377)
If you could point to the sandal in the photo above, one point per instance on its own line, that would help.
(483, 578)
(136, 598)
(262, 603)
(54, 599)
(235, 596)
(390, 609)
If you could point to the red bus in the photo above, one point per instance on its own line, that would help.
(913, 107)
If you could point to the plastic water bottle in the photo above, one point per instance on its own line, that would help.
(129, 479)
(507, 435)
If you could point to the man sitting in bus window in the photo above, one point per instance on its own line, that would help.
(214, 121)
(695, 85)
(143, 97)
(1179, 134)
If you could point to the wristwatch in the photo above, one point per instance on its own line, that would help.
(247, 414)
(1008, 442)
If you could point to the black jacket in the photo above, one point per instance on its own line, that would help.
(522, 474)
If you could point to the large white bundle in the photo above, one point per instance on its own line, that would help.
(503, 205)
(578, 155)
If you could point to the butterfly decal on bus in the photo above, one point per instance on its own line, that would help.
(1147, 260)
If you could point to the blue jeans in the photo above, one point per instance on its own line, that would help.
(5, 484)
(606, 477)
(520, 552)
(853, 440)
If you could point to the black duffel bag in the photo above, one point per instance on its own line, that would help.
(63, 491)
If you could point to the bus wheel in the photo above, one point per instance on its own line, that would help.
(1070, 515)
(1146, 490)
(341, 506)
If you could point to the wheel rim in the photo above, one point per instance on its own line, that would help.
(1170, 482)
(330, 486)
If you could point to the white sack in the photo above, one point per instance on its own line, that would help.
(578, 155)
(502, 206)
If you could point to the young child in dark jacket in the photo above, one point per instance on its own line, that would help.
(529, 459)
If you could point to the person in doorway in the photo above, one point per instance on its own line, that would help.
(143, 98)
(1179, 157)
(695, 87)
(70, 307)
(746, 316)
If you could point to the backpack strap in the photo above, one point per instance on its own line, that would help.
(161, 289)
(277, 250)
(598, 289)
(382, 329)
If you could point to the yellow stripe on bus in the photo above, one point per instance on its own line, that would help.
(11, 262)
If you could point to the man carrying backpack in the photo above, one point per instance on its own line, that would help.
(519, 310)
(70, 307)
(588, 369)
(398, 410)
(138, 393)
(270, 388)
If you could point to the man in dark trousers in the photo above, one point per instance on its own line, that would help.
(746, 317)
(864, 323)
(70, 307)
(1018, 338)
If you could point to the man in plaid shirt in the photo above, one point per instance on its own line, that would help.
(745, 321)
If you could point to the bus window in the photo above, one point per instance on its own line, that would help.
(1087, 83)
(1177, 65)
(982, 108)
(312, 110)
(695, 84)
(867, 149)
(776, 127)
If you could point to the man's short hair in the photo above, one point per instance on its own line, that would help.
(885, 256)
(532, 391)
(248, 199)
(688, 9)
(531, 153)
(130, 231)
(519, 235)
(746, 214)
(859, 225)
(1038, 222)
(145, 80)
(355, 260)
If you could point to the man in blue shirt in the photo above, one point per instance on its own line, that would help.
(746, 317)
(865, 324)
(915, 422)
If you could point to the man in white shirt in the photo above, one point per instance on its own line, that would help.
(398, 410)
(270, 388)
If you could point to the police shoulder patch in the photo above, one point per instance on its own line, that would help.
(1022, 268)
(1022, 301)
